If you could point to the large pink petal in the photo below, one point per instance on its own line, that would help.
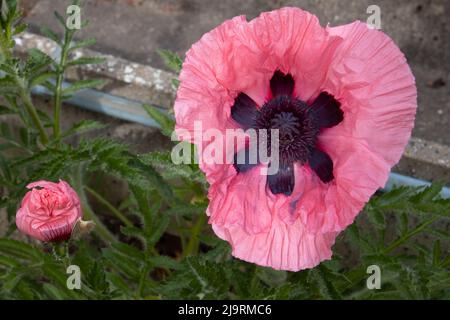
(242, 200)
(371, 78)
(41, 227)
(358, 173)
(291, 40)
(283, 246)
(240, 56)
(362, 68)
(203, 94)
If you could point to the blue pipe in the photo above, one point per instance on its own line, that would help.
(130, 110)
(114, 106)
(397, 180)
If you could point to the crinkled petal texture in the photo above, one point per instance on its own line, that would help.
(362, 68)
(49, 211)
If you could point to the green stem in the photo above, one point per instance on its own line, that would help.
(77, 183)
(361, 294)
(144, 207)
(408, 235)
(181, 233)
(60, 253)
(26, 99)
(6, 54)
(5, 50)
(192, 246)
(59, 82)
(143, 279)
(110, 207)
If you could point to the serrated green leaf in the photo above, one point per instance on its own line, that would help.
(164, 262)
(208, 279)
(8, 262)
(159, 229)
(171, 59)
(41, 78)
(49, 33)
(82, 44)
(166, 123)
(118, 282)
(19, 29)
(122, 263)
(81, 85)
(130, 251)
(134, 232)
(11, 283)
(169, 170)
(187, 210)
(377, 218)
(8, 86)
(428, 194)
(37, 60)
(60, 19)
(154, 179)
(321, 279)
(175, 83)
(82, 127)
(54, 292)
(18, 249)
(96, 277)
(437, 253)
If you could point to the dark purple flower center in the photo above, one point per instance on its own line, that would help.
(299, 126)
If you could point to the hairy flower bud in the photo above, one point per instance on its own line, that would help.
(49, 211)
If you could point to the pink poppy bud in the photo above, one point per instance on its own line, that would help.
(49, 212)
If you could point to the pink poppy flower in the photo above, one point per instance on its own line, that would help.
(344, 101)
(49, 212)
